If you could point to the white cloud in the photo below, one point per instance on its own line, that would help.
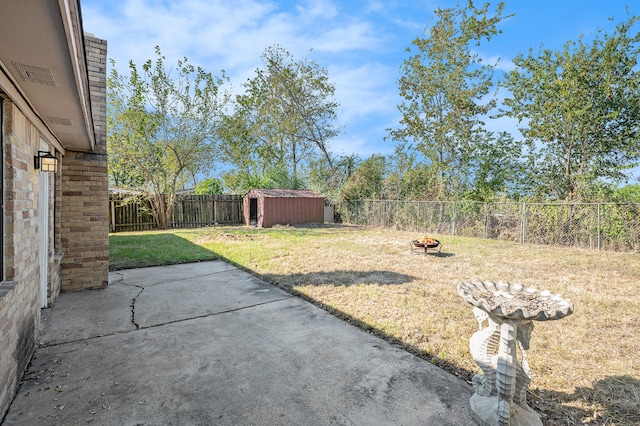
(375, 6)
(354, 36)
(312, 9)
(499, 62)
(365, 91)
(360, 145)
(214, 31)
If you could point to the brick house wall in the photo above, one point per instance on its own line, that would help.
(20, 290)
(77, 212)
(83, 194)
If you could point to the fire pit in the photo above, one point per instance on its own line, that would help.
(509, 311)
(425, 243)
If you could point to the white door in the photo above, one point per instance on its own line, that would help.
(43, 234)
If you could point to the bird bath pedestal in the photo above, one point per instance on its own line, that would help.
(508, 310)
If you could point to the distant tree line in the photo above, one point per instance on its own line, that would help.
(578, 110)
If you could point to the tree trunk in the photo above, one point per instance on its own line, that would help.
(160, 209)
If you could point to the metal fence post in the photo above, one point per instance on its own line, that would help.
(598, 226)
(485, 231)
(453, 220)
(523, 224)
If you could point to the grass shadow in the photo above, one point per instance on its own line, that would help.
(444, 254)
(154, 249)
(340, 278)
(433, 253)
(614, 400)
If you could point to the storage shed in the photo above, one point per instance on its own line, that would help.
(264, 208)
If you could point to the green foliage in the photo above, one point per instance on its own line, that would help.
(121, 175)
(417, 183)
(444, 84)
(329, 181)
(209, 186)
(408, 178)
(581, 105)
(401, 162)
(628, 193)
(367, 181)
(280, 178)
(275, 177)
(160, 128)
(283, 122)
(240, 182)
(620, 230)
(496, 169)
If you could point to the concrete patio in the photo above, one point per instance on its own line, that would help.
(209, 344)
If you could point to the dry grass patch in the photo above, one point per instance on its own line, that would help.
(586, 367)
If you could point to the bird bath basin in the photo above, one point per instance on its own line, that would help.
(505, 314)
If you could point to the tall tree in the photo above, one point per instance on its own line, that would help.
(498, 168)
(368, 180)
(209, 186)
(329, 181)
(162, 124)
(444, 85)
(406, 177)
(285, 119)
(581, 106)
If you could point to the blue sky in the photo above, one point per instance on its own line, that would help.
(361, 43)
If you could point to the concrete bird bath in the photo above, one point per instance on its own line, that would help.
(508, 310)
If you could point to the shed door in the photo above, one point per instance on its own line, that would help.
(253, 210)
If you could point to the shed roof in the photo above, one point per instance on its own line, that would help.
(286, 193)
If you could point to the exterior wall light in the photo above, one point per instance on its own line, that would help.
(45, 161)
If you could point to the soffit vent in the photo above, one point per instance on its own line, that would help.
(33, 74)
(60, 121)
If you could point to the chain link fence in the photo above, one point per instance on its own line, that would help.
(600, 226)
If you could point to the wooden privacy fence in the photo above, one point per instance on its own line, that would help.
(189, 211)
(192, 211)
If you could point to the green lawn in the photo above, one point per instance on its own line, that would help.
(140, 249)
